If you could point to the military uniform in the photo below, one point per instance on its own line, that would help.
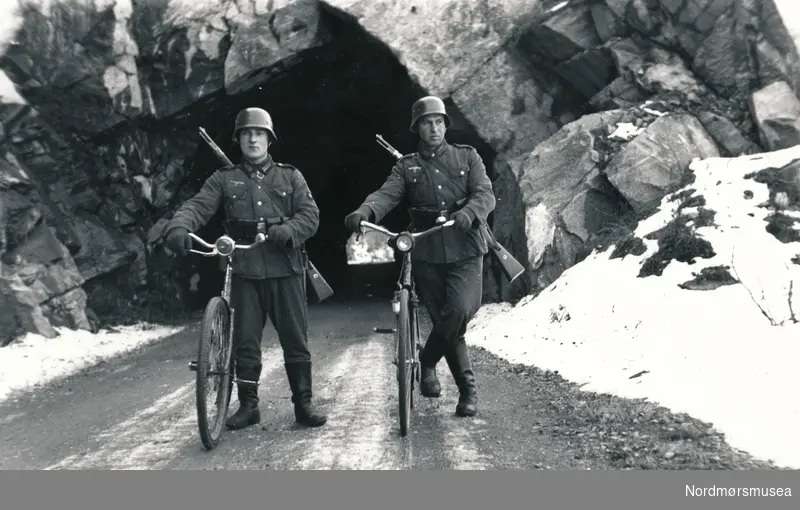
(448, 265)
(268, 280)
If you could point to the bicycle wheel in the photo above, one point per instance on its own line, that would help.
(213, 372)
(404, 368)
(413, 343)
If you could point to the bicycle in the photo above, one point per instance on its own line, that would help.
(405, 306)
(217, 333)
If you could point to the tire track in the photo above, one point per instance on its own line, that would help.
(460, 447)
(152, 437)
(446, 441)
(358, 434)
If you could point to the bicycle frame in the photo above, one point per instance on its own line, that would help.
(406, 281)
(406, 354)
(226, 247)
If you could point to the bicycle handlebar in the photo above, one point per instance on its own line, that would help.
(414, 235)
(224, 245)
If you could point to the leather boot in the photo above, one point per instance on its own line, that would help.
(429, 384)
(299, 375)
(461, 368)
(248, 412)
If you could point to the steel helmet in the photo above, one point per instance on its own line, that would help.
(426, 106)
(253, 118)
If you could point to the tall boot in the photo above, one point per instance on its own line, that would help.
(460, 366)
(299, 374)
(429, 384)
(428, 359)
(248, 412)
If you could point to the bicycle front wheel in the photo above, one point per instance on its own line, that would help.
(404, 365)
(214, 376)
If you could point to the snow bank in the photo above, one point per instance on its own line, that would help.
(712, 354)
(36, 360)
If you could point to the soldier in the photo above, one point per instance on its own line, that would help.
(268, 280)
(447, 179)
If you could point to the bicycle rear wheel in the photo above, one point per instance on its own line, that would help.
(213, 372)
(404, 366)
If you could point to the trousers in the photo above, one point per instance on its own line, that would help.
(452, 295)
(283, 301)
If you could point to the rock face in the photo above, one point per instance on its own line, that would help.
(776, 110)
(655, 162)
(589, 114)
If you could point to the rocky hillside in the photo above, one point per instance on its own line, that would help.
(590, 113)
(696, 309)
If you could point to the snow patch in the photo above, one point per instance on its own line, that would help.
(35, 360)
(727, 356)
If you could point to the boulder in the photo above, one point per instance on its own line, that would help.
(568, 44)
(607, 24)
(729, 139)
(565, 164)
(102, 250)
(21, 216)
(619, 94)
(776, 110)
(655, 162)
(565, 197)
(563, 35)
(45, 284)
(509, 107)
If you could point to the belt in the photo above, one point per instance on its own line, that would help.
(423, 218)
(246, 230)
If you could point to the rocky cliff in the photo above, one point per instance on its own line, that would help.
(587, 113)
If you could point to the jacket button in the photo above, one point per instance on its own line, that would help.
(259, 203)
(440, 186)
(284, 193)
(462, 172)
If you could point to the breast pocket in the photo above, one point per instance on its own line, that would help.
(282, 199)
(237, 202)
(417, 187)
(461, 180)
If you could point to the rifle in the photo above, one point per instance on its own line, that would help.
(221, 155)
(510, 266)
(313, 278)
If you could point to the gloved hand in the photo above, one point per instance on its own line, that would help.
(178, 241)
(461, 220)
(280, 235)
(353, 220)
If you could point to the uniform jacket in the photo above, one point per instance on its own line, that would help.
(243, 196)
(438, 180)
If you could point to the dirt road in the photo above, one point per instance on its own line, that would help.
(137, 412)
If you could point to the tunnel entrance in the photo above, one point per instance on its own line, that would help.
(327, 107)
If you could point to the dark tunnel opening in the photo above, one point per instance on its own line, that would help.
(327, 107)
